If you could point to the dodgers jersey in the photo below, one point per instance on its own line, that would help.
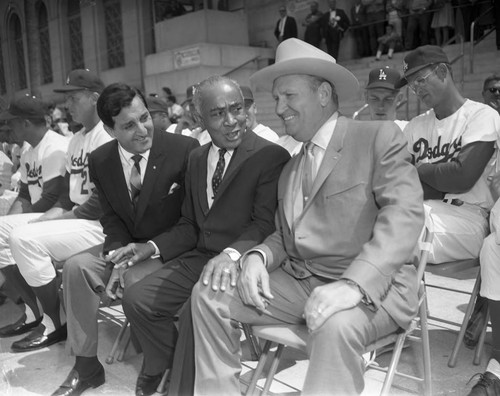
(77, 161)
(43, 162)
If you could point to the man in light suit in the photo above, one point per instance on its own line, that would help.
(336, 261)
(231, 186)
(162, 161)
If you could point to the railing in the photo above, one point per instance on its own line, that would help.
(460, 57)
(365, 106)
(472, 43)
(254, 59)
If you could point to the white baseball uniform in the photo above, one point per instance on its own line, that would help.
(459, 231)
(35, 246)
(38, 165)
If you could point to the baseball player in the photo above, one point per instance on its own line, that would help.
(72, 225)
(452, 146)
(42, 169)
(381, 95)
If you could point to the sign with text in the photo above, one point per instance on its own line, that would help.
(187, 58)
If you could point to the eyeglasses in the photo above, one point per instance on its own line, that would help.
(494, 90)
(421, 80)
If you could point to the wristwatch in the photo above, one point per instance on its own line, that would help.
(235, 256)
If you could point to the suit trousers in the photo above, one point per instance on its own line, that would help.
(35, 246)
(85, 276)
(332, 40)
(335, 349)
(152, 304)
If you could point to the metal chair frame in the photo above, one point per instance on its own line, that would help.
(295, 336)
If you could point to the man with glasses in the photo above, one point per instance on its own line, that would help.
(451, 145)
(382, 96)
(491, 91)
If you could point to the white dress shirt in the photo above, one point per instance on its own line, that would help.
(128, 163)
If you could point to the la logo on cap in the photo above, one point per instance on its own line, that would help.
(382, 75)
(405, 67)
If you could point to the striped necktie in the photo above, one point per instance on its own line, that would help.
(219, 171)
(308, 172)
(135, 180)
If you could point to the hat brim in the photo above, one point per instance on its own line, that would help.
(346, 84)
(70, 88)
(381, 84)
(401, 83)
(6, 116)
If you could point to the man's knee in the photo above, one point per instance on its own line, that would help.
(339, 328)
(199, 297)
(490, 251)
(17, 238)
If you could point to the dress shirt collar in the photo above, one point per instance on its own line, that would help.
(128, 156)
(215, 150)
(324, 134)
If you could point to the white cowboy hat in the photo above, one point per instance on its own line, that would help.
(294, 56)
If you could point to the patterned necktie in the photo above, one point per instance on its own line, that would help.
(308, 171)
(219, 171)
(135, 180)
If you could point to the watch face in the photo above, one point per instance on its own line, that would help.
(234, 256)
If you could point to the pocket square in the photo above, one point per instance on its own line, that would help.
(173, 188)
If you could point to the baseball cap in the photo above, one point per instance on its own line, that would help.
(383, 77)
(156, 105)
(80, 79)
(419, 58)
(25, 107)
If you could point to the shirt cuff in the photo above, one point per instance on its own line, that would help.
(232, 253)
(258, 251)
(157, 251)
(366, 300)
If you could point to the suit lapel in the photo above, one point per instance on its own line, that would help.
(240, 155)
(116, 179)
(288, 184)
(202, 178)
(155, 160)
(331, 158)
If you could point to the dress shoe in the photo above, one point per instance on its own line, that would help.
(37, 340)
(147, 384)
(19, 327)
(488, 385)
(75, 385)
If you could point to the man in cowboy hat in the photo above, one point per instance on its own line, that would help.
(335, 261)
(451, 145)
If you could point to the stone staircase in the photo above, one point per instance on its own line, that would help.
(486, 62)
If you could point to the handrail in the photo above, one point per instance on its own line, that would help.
(359, 111)
(365, 106)
(472, 26)
(242, 65)
(461, 57)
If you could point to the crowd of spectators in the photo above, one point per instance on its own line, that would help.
(197, 211)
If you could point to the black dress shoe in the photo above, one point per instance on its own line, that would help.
(20, 327)
(75, 385)
(37, 340)
(147, 384)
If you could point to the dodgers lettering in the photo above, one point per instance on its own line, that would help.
(438, 153)
(79, 164)
(34, 175)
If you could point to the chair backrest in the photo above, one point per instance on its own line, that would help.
(424, 245)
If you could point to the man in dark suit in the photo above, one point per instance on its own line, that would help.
(334, 23)
(138, 202)
(286, 27)
(229, 207)
(359, 29)
(312, 35)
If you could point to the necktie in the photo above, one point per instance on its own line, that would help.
(219, 171)
(135, 180)
(308, 171)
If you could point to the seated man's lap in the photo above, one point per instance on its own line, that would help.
(489, 260)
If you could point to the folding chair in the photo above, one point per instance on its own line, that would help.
(468, 312)
(295, 336)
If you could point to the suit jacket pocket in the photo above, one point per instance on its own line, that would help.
(334, 190)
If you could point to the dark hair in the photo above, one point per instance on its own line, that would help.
(167, 91)
(493, 77)
(172, 98)
(113, 99)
